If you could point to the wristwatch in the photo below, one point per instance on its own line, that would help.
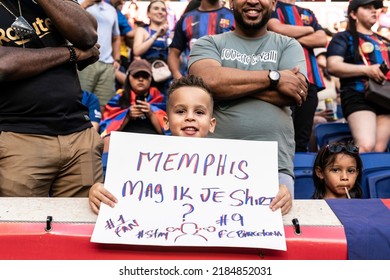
(273, 77)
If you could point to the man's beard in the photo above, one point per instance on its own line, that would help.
(246, 26)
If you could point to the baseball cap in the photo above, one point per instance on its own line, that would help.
(354, 4)
(140, 65)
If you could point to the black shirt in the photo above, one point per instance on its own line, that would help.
(48, 103)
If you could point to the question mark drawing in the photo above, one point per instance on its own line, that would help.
(189, 212)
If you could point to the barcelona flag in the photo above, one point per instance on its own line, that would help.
(367, 227)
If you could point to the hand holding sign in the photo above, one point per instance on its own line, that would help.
(176, 193)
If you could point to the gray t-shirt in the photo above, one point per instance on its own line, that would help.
(249, 118)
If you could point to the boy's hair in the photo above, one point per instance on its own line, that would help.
(189, 81)
(326, 156)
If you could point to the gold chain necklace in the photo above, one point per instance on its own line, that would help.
(21, 26)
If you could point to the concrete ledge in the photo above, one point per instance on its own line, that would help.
(77, 210)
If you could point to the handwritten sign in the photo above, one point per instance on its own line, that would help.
(178, 191)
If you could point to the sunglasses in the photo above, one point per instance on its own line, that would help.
(337, 148)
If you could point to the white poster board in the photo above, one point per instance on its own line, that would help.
(179, 191)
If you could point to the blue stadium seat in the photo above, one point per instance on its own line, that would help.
(303, 160)
(326, 133)
(372, 163)
(379, 184)
(303, 172)
(304, 185)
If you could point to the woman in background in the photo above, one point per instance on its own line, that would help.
(346, 56)
(151, 41)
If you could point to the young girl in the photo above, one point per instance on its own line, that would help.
(337, 172)
(138, 108)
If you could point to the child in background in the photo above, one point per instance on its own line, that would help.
(138, 107)
(337, 172)
(189, 114)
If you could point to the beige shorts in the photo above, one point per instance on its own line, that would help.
(41, 166)
(99, 78)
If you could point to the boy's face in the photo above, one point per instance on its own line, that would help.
(190, 113)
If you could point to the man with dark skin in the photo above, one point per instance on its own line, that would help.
(47, 144)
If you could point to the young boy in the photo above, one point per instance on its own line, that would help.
(189, 108)
(189, 114)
